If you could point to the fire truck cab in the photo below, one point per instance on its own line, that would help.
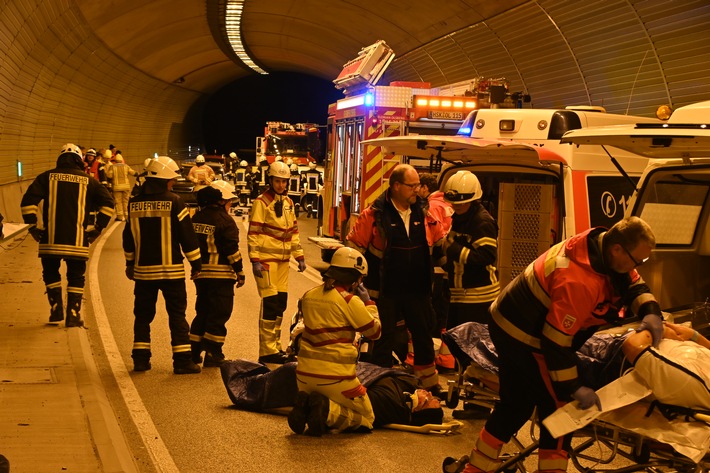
(540, 190)
(299, 141)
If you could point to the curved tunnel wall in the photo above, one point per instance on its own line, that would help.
(59, 83)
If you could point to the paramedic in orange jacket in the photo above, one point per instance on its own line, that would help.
(541, 319)
(272, 239)
(395, 234)
(330, 394)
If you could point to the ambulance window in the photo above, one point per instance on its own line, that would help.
(673, 209)
(561, 122)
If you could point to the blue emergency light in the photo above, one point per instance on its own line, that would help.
(464, 131)
(369, 99)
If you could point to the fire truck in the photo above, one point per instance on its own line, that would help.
(298, 141)
(354, 176)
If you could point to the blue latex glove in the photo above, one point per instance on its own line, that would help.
(301, 265)
(587, 398)
(654, 324)
(361, 292)
(257, 268)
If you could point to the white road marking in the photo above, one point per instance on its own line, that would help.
(162, 459)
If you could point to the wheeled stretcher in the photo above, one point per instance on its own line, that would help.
(634, 433)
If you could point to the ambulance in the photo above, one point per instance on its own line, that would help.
(673, 197)
(540, 190)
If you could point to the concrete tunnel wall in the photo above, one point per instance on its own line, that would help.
(59, 83)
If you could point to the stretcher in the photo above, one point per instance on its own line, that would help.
(632, 434)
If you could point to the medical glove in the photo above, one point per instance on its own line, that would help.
(654, 324)
(301, 265)
(361, 292)
(587, 398)
(257, 268)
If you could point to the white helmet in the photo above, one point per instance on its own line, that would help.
(279, 158)
(294, 167)
(162, 167)
(233, 155)
(279, 169)
(243, 164)
(462, 187)
(200, 159)
(312, 165)
(225, 188)
(349, 258)
(71, 148)
(119, 158)
(91, 152)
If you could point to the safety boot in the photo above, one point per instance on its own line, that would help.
(196, 351)
(73, 310)
(214, 359)
(183, 364)
(318, 408)
(141, 359)
(56, 304)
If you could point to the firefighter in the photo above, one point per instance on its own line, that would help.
(294, 188)
(200, 174)
(312, 180)
(545, 314)
(157, 233)
(221, 269)
(272, 239)
(241, 178)
(471, 252)
(69, 194)
(118, 173)
(95, 168)
(330, 394)
(263, 175)
(231, 162)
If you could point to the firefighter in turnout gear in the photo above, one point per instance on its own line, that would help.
(294, 188)
(471, 251)
(221, 269)
(200, 174)
(69, 195)
(312, 180)
(261, 180)
(158, 227)
(242, 176)
(330, 393)
(544, 315)
(272, 239)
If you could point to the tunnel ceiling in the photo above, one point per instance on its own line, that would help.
(172, 39)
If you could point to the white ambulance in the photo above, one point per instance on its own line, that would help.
(541, 191)
(673, 197)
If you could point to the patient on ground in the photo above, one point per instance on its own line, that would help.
(678, 371)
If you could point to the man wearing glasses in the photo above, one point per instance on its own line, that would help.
(545, 314)
(395, 234)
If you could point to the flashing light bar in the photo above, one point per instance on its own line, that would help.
(351, 102)
(444, 103)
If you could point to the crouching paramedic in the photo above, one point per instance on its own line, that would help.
(330, 394)
(272, 239)
(221, 269)
(545, 315)
(158, 226)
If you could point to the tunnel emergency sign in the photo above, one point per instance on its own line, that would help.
(608, 198)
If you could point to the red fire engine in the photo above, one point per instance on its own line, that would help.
(298, 141)
(355, 175)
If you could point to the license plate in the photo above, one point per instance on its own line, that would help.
(440, 115)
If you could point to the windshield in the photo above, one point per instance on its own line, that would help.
(288, 145)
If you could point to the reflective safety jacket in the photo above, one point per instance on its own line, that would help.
(240, 178)
(312, 180)
(203, 175)
(562, 298)
(158, 226)
(440, 210)
(471, 257)
(273, 233)
(119, 173)
(69, 195)
(219, 243)
(332, 318)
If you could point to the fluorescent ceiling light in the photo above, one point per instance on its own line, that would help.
(232, 22)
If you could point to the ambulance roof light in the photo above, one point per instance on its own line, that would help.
(369, 99)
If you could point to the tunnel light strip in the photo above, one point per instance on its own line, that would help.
(233, 21)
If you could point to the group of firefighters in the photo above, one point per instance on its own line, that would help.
(382, 276)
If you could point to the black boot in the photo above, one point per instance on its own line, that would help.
(56, 305)
(318, 407)
(299, 414)
(214, 359)
(184, 365)
(141, 359)
(73, 310)
(196, 350)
